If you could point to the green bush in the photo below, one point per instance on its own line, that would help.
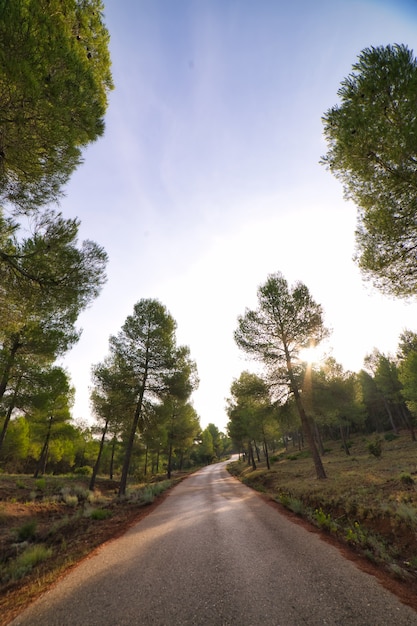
(324, 520)
(40, 484)
(27, 531)
(375, 448)
(390, 436)
(406, 479)
(85, 470)
(26, 561)
(99, 514)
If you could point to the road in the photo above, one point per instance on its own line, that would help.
(214, 553)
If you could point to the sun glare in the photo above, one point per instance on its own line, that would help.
(311, 355)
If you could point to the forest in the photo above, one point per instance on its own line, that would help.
(141, 393)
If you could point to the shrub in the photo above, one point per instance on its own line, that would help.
(356, 535)
(406, 479)
(27, 531)
(99, 514)
(296, 506)
(375, 448)
(40, 484)
(324, 520)
(26, 561)
(390, 436)
(85, 470)
(70, 500)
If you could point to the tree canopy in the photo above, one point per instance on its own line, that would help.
(286, 320)
(54, 83)
(372, 150)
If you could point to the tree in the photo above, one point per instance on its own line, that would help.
(111, 402)
(46, 280)
(250, 413)
(206, 448)
(335, 399)
(388, 384)
(372, 149)
(285, 321)
(408, 343)
(51, 411)
(54, 83)
(408, 377)
(183, 423)
(144, 350)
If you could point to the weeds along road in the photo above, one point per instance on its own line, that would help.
(213, 554)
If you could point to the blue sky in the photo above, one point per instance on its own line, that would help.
(208, 178)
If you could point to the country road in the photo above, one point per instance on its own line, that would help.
(214, 553)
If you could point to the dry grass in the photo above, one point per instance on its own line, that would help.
(48, 525)
(367, 502)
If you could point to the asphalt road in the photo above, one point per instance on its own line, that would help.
(215, 554)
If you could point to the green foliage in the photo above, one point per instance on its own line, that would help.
(372, 149)
(85, 470)
(356, 534)
(47, 279)
(53, 93)
(27, 531)
(286, 320)
(406, 479)
(26, 561)
(375, 447)
(324, 520)
(408, 378)
(100, 514)
(40, 484)
(390, 437)
(147, 494)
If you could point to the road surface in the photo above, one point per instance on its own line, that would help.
(214, 553)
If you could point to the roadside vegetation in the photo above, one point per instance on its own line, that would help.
(368, 502)
(49, 524)
(49, 520)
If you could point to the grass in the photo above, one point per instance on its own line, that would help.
(50, 523)
(368, 501)
(25, 562)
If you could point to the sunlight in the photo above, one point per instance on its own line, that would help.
(311, 354)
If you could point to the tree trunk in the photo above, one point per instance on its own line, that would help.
(408, 419)
(97, 463)
(266, 453)
(145, 469)
(113, 452)
(318, 438)
(389, 412)
(131, 440)
(169, 460)
(41, 464)
(8, 366)
(305, 421)
(251, 457)
(344, 442)
(10, 411)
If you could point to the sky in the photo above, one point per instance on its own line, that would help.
(207, 178)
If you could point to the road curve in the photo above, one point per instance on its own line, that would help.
(215, 554)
